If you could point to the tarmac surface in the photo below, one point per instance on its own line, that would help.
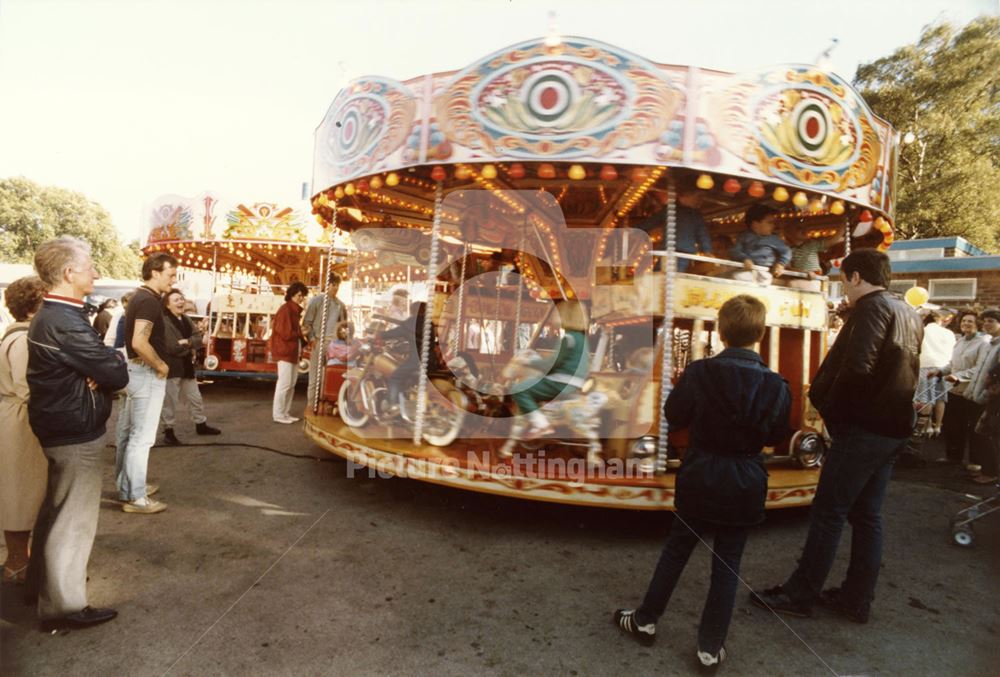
(271, 560)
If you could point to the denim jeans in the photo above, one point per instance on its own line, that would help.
(137, 432)
(851, 487)
(718, 610)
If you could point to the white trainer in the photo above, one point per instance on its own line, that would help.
(145, 506)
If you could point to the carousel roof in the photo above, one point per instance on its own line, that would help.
(531, 106)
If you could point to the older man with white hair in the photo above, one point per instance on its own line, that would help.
(72, 377)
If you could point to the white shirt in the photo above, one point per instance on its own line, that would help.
(116, 314)
(936, 349)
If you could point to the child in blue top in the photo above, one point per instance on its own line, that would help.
(759, 246)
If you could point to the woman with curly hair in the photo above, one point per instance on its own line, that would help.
(23, 467)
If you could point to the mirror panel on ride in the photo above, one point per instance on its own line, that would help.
(512, 279)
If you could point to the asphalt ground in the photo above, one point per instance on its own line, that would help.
(271, 560)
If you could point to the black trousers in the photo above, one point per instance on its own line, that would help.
(728, 546)
(959, 424)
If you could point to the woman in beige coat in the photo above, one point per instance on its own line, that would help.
(23, 467)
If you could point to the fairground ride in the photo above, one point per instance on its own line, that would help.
(556, 172)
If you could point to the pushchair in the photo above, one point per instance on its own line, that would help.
(961, 523)
(913, 455)
(924, 402)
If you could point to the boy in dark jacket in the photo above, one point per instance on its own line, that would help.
(733, 406)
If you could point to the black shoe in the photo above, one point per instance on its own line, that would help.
(777, 600)
(85, 618)
(170, 438)
(833, 600)
(205, 429)
(625, 620)
(706, 663)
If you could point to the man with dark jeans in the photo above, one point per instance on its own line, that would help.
(734, 406)
(864, 391)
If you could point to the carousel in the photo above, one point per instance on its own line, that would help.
(540, 211)
(248, 257)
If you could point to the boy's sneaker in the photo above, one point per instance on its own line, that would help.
(170, 438)
(708, 663)
(777, 600)
(145, 506)
(832, 599)
(625, 620)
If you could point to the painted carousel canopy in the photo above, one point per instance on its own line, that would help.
(247, 238)
(584, 101)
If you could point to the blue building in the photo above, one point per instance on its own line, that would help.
(953, 270)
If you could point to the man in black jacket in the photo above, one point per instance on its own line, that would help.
(864, 391)
(72, 377)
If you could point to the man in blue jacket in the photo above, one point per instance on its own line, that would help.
(690, 229)
(72, 377)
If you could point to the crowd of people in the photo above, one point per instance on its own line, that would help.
(954, 391)
(59, 378)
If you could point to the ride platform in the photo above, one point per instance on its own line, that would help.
(556, 475)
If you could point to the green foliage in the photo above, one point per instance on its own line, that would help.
(31, 214)
(945, 89)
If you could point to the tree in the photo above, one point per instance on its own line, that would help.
(945, 90)
(31, 214)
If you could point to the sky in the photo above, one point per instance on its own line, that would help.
(128, 100)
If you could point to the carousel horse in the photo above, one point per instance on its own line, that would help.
(575, 414)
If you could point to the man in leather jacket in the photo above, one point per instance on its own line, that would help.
(72, 377)
(864, 391)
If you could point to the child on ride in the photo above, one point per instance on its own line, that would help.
(758, 245)
(566, 374)
(733, 406)
(806, 250)
(342, 349)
